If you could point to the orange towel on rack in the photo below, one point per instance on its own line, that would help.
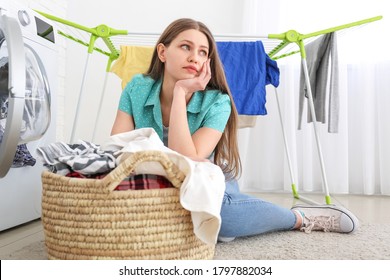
(132, 60)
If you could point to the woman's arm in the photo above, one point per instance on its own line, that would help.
(202, 143)
(123, 123)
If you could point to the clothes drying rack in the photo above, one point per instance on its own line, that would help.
(291, 42)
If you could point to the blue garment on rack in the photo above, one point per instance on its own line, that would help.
(248, 70)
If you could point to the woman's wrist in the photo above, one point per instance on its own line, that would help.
(179, 89)
(181, 92)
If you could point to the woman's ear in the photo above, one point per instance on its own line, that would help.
(161, 52)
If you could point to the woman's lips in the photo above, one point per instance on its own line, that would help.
(191, 69)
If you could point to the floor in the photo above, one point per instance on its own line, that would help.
(369, 209)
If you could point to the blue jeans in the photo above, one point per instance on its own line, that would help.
(244, 215)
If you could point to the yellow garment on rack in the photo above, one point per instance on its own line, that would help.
(132, 60)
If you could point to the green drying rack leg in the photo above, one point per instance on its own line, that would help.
(292, 177)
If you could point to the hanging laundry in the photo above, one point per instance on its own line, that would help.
(246, 79)
(132, 60)
(321, 57)
(248, 70)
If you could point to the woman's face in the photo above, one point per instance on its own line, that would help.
(185, 56)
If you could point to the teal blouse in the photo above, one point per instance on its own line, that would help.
(141, 100)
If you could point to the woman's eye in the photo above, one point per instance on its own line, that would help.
(203, 53)
(185, 47)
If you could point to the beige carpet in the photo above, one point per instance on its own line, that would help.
(371, 242)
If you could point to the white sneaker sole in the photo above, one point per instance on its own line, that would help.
(225, 239)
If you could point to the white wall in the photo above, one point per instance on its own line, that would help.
(221, 16)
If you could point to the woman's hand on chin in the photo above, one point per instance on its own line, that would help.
(197, 83)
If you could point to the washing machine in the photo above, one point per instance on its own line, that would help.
(28, 85)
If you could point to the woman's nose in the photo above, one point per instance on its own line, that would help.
(193, 57)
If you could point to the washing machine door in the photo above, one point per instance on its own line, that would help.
(24, 93)
(12, 89)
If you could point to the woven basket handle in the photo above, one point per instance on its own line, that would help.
(124, 169)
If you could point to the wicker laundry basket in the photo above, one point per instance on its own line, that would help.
(87, 219)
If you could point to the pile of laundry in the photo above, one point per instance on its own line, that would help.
(87, 160)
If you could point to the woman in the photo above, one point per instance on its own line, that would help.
(184, 96)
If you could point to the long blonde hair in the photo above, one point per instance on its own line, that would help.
(226, 153)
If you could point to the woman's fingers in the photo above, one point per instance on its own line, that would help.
(199, 82)
(208, 69)
(205, 74)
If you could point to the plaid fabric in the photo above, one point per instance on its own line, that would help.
(134, 182)
(144, 181)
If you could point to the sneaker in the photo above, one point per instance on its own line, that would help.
(225, 239)
(326, 218)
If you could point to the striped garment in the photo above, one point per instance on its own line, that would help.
(83, 157)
